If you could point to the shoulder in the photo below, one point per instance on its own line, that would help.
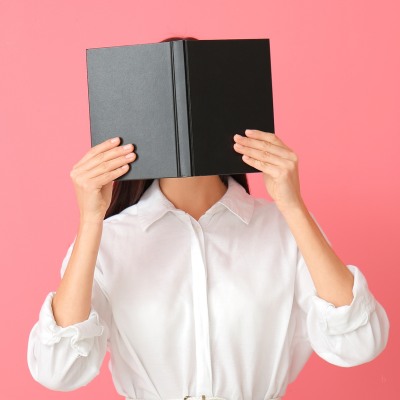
(268, 218)
(121, 232)
(119, 227)
(266, 211)
(126, 216)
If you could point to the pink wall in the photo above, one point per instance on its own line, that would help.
(337, 95)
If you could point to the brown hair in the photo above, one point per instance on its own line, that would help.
(128, 193)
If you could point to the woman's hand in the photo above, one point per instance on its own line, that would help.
(93, 177)
(278, 163)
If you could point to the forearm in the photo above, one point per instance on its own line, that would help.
(72, 301)
(332, 279)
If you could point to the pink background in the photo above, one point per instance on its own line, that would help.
(336, 89)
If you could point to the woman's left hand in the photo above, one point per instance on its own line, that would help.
(278, 163)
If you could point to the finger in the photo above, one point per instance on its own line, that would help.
(269, 169)
(107, 166)
(262, 156)
(109, 176)
(265, 146)
(267, 136)
(97, 149)
(111, 154)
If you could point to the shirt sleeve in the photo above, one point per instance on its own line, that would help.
(66, 358)
(348, 335)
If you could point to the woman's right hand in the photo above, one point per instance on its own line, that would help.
(94, 174)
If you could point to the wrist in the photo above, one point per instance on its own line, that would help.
(296, 209)
(87, 223)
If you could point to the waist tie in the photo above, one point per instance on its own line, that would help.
(189, 398)
(200, 398)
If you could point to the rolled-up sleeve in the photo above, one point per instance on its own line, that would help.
(348, 335)
(66, 358)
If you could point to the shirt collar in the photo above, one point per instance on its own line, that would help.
(153, 204)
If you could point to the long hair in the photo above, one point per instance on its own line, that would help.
(128, 193)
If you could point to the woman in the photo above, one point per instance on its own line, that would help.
(198, 289)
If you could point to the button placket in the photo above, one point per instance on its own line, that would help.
(200, 305)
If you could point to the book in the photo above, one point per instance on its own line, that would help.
(180, 103)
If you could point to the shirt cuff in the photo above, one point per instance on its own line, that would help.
(82, 333)
(344, 319)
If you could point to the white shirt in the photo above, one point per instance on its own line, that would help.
(222, 307)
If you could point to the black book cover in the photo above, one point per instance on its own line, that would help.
(180, 103)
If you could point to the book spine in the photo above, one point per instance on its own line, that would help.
(182, 123)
